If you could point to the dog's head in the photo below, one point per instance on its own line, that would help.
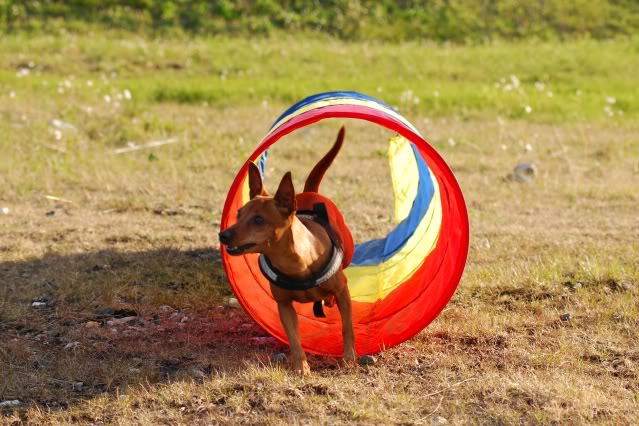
(264, 219)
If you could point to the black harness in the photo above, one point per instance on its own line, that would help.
(277, 278)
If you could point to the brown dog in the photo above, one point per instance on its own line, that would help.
(298, 247)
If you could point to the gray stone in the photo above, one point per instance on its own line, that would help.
(120, 321)
(523, 172)
(279, 358)
(367, 360)
(71, 346)
(10, 403)
(165, 309)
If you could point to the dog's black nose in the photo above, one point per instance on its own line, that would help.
(225, 237)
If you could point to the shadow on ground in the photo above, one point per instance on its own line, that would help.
(107, 320)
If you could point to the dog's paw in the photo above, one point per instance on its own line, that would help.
(302, 368)
(349, 359)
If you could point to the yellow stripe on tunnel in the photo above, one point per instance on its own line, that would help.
(404, 174)
(375, 282)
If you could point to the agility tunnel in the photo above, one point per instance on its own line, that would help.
(398, 283)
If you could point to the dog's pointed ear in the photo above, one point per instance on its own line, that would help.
(285, 195)
(256, 187)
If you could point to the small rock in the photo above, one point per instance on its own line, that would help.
(77, 386)
(50, 213)
(233, 303)
(115, 313)
(565, 317)
(4, 210)
(573, 286)
(59, 124)
(176, 316)
(295, 392)
(71, 346)
(279, 358)
(165, 309)
(367, 360)
(10, 403)
(166, 211)
(438, 420)
(39, 305)
(92, 324)
(120, 321)
(523, 172)
(196, 372)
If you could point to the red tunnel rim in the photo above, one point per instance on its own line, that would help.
(376, 117)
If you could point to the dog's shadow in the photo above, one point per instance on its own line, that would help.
(81, 325)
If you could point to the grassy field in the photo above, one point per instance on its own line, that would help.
(95, 236)
(458, 21)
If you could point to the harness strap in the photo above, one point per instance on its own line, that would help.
(318, 309)
(282, 281)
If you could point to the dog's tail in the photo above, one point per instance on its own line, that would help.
(315, 177)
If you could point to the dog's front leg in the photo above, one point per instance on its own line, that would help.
(343, 299)
(288, 316)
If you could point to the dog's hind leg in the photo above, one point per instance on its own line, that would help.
(288, 316)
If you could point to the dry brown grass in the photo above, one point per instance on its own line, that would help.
(140, 232)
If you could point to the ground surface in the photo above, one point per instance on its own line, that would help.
(133, 234)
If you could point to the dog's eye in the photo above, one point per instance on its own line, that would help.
(258, 220)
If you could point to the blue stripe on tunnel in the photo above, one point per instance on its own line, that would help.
(376, 251)
(330, 95)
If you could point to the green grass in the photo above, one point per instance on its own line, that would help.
(138, 230)
(451, 20)
(572, 81)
